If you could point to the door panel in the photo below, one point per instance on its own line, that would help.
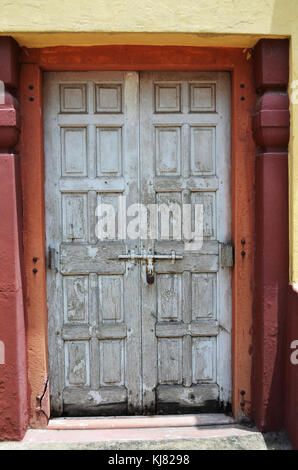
(91, 147)
(118, 345)
(185, 159)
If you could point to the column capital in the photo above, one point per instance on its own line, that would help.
(271, 117)
(9, 108)
(271, 64)
(9, 62)
(271, 122)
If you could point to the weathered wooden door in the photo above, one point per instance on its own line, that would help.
(118, 345)
(186, 313)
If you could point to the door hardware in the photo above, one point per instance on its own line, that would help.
(150, 269)
(52, 259)
(227, 255)
(150, 258)
(132, 256)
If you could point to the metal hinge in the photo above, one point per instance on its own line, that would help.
(52, 259)
(227, 255)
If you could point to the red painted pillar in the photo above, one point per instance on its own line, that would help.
(13, 367)
(271, 132)
(291, 385)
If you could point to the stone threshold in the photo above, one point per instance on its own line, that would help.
(139, 422)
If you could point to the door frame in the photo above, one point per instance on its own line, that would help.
(137, 58)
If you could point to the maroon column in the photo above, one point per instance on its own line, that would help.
(13, 367)
(271, 132)
(291, 384)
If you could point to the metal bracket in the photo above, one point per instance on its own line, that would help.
(144, 256)
(150, 258)
(52, 259)
(227, 255)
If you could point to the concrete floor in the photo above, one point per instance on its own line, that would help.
(189, 432)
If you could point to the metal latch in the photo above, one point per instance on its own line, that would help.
(227, 255)
(150, 269)
(150, 258)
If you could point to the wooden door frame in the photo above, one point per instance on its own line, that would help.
(136, 58)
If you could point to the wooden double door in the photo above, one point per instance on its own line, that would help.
(117, 343)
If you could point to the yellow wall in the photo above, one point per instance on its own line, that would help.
(240, 23)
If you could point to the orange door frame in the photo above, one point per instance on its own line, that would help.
(236, 61)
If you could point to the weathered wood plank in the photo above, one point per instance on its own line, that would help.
(176, 329)
(200, 398)
(98, 258)
(209, 247)
(103, 184)
(84, 396)
(76, 332)
(195, 183)
(111, 331)
(195, 263)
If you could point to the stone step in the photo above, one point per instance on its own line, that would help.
(231, 437)
(130, 422)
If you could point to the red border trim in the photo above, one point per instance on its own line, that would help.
(243, 161)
